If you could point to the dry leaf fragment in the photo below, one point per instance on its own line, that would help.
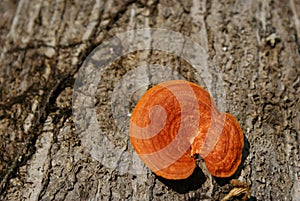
(240, 188)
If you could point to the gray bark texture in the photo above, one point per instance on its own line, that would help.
(48, 153)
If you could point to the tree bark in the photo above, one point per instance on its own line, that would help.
(251, 55)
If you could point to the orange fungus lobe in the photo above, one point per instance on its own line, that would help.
(175, 120)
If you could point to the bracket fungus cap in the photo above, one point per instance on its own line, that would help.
(177, 119)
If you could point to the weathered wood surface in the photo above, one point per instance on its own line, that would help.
(253, 45)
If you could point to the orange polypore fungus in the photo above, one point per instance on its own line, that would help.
(176, 120)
